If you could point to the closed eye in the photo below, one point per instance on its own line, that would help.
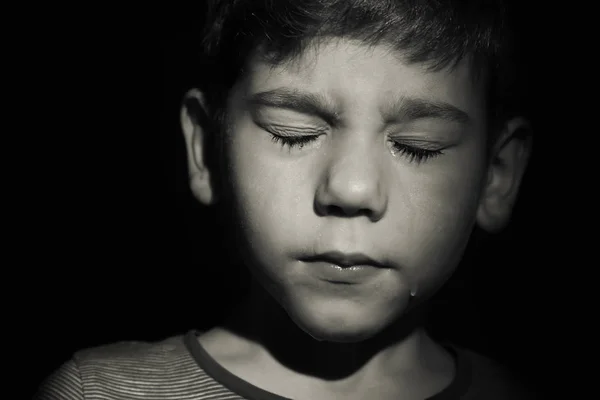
(293, 141)
(413, 153)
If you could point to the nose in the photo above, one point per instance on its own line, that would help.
(352, 183)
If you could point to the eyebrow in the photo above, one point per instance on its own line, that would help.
(410, 109)
(315, 104)
(403, 108)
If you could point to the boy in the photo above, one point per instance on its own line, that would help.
(355, 145)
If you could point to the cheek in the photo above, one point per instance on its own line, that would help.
(442, 207)
(446, 221)
(267, 192)
(450, 194)
(446, 203)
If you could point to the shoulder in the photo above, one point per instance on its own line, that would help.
(491, 380)
(118, 367)
(62, 384)
(129, 354)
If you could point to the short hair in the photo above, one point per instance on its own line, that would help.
(436, 33)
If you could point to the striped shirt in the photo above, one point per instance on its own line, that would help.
(179, 368)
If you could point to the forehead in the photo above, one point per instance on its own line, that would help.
(353, 76)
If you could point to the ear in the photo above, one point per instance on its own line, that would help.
(507, 164)
(196, 130)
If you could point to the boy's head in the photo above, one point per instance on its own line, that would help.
(372, 135)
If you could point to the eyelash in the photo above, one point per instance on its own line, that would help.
(414, 154)
(293, 141)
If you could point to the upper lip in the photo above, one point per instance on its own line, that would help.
(346, 259)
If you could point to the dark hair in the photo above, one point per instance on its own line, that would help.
(437, 33)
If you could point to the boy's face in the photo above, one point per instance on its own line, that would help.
(385, 170)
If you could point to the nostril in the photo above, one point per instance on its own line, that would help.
(337, 211)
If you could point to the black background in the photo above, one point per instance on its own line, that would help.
(121, 251)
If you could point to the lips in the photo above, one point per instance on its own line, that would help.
(345, 260)
(344, 268)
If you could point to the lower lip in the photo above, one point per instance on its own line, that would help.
(344, 275)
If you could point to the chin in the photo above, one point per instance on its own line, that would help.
(339, 336)
(341, 323)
